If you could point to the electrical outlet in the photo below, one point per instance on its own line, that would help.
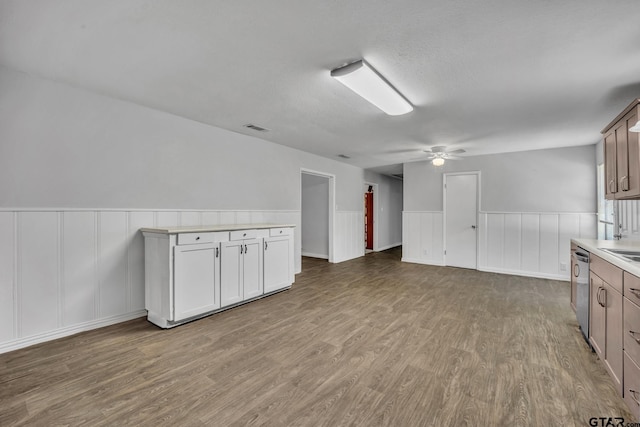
(563, 266)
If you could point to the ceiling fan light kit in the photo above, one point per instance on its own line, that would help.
(364, 80)
(439, 154)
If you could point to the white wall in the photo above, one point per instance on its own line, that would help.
(531, 204)
(80, 173)
(388, 218)
(315, 216)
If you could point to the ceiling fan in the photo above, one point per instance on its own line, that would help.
(439, 154)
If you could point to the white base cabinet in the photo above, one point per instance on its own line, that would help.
(278, 247)
(193, 272)
(197, 280)
(241, 269)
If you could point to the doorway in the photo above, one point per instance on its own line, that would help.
(316, 200)
(370, 222)
(368, 218)
(461, 202)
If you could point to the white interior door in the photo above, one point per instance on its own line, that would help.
(461, 216)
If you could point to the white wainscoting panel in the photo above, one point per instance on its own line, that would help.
(135, 261)
(531, 244)
(38, 272)
(68, 271)
(521, 243)
(167, 219)
(189, 218)
(8, 311)
(422, 237)
(79, 268)
(348, 239)
(112, 263)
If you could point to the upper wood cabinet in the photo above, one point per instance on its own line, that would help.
(622, 155)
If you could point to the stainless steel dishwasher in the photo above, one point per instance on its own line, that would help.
(581, 273)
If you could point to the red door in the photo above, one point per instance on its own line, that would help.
(368, 219)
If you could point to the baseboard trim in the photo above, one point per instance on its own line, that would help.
(422, 261)
(534, 274)
(312, 255)
(16, 344)
(384, 248)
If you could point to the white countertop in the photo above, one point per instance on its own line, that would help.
(594, 246)
(208, 228)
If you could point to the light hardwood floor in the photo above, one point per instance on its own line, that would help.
(371, 341)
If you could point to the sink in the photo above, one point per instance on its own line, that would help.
(624, 253)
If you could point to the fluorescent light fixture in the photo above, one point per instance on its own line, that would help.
(361, 78)
(438, 161)
(635, 128)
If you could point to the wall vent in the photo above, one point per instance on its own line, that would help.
(256, 128)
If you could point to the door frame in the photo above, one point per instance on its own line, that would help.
(444, 211)
(331, 208)
(376, 210)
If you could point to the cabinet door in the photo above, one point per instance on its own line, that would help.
(231, 273)
(613, 333)
(195, 289)
(252, 268)
(596, 315)
(277, 273)
(575, 271)
(633, 158)
(610, 172)
(622, 159)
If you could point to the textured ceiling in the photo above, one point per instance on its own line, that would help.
(487, 76)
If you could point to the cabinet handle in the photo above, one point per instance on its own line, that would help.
(624, 179)
(265, 245)
(576, 267)
(604, 297)
(198, 238)
(635, 292)
(241, 250)
(633, 335)
(245, 249)
(217, 252)
(633, 396)
(599, 296)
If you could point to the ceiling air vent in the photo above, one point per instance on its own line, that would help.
(344, 156)
(256, 128)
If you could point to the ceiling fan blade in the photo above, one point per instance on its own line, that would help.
(458, 151)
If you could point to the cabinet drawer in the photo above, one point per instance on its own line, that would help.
(280, 232)
(243, 234)
(631, 392)
(632, 287)
(607, 272)
(631, 324)
(210, 237)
